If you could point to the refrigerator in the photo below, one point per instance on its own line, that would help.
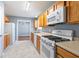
(10, 28)
(1, 26)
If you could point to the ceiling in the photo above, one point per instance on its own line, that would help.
(17, 8)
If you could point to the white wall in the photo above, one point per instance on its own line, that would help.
(1, 26)
(24, 27)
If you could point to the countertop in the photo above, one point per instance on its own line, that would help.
(43, 33)
(72, 46)
(6, 33)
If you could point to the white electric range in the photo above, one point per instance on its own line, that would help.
(48, 42)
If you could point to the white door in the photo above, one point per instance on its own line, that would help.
(23, 28)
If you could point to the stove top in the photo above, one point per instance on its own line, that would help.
(56, 39)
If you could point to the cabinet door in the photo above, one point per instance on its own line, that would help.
(8, 40)
(60, 4)
(40, 20)
(32, 37)
(38, 44)
(45, 19)
(35, 23)
(73, 11)
(6, 19)
(5, 42)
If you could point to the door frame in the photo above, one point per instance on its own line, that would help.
(17, 27)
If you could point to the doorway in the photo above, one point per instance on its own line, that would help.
(23, 30)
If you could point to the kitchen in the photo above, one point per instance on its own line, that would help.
(53, 30)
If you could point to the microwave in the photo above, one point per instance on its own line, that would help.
(58, 16)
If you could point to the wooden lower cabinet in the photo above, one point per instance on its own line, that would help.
(6, 41)
(32, 37)
(62, 53)
(38, 43)
(5, 44)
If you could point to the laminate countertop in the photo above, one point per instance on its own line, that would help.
(71, 46)
(6, 33)
(44, 34)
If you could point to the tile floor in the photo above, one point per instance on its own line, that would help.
(22, 49)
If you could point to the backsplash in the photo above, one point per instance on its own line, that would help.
(74, 27)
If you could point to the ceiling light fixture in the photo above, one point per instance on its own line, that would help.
(36, 16)
(27, 5)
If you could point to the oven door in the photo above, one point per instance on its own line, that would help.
(52, 52)
(47, 49)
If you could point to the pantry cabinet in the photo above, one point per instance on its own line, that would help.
(72, 12)
(6, 19)
(6, 41)
(63, 53)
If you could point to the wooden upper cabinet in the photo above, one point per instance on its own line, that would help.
(45, 19)
(59, 4)
(6, 19)
(51, 9)
(35, 23)
(72, 12)
(56, 6)
(40, 21)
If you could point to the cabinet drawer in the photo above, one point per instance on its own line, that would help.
(65, 53)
